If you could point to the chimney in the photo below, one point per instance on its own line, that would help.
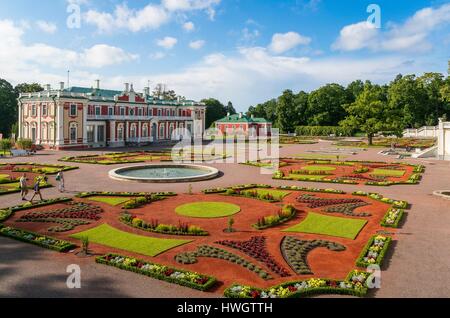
(97, 84)
(146, 91)
(131, 89)
(228, 114)
(127, 87)
(241, 115)
(61, 86)
(47, 87)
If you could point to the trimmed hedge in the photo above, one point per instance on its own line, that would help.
(37, 239)
(398, 218)
(323, 131)
(296, 188)
(124, 194)
(380, 257)
(208, 284)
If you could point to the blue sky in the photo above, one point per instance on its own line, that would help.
(246, 51)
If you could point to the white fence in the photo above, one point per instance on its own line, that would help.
(423, 132)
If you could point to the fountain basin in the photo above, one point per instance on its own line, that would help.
(164, 173)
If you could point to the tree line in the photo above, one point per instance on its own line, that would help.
(408, 101)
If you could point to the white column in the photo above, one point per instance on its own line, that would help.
(20, 132)
(84, 126)
(112, 131)
(59, 125)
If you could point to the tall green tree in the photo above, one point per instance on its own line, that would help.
(8, 107)
(286, 112)
(326, 105)
(230, 108)
(354, 89)
(265, 110)
(28, 88)
(215, 110)
(370, 113)
(300, 108)
(432, 84)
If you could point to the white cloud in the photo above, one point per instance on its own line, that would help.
(189, 5)
(284, 42)
(411, 35)
(196, 45)
(157, 55)
(189, 26)
(102, 55)
(47, 27)
(356, 36)
(149, 18)
(168, 42)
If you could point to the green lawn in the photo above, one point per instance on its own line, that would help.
(208, 209)
(388, 172)
(320, 156)
(329, 225)
(318, 168)
(277, 194)
(110, 200)
(109, 236)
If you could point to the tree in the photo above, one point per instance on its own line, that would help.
(286, 112)
(8, 107)
(371, 113)
(28, 88)
(5, 145)
(354, 89)
(230, 108)
(215, 110)
(300, 108)
(265, 110)
(325, 105)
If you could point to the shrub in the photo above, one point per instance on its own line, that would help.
(25, 144)
(323, 131)
(137, 222)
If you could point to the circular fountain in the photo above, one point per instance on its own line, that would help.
(164, 173)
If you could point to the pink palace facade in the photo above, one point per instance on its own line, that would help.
(79, 118)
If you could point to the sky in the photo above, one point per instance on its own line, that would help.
(244, 51)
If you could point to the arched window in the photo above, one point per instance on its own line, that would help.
(161, 131)
(133, 130)
(171, 128)
(145, 131)
(120, 132)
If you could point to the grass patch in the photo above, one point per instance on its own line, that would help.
(109, 236)
(207, 209)
(114, 201)
(318, 168)
(329, 225)
(388, 172)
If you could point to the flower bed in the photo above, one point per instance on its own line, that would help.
(295, 252)
(314, 202)
(392, 218)
(374, 251)
(256, 248)
(296, 188)
(237, 187)
(354, 285)
(348, 209)
(214, 252)
(37, 239)
(68, 218)
(395, 203)
(287, 213)
(42, 203)
(161, 272)
(155, 227)
(125, 194)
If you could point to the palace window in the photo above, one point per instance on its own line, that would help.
(140, 111)
(122, 111)
(159, 112)
(120, 132)
(44, 110)
(145, 131)
(110, 111)
(33, 110)
(131, 112)
(73, 133)
(73, 110)
(161, 131)
(97, 111)
(90, 134)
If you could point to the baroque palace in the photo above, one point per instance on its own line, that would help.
(77, 117)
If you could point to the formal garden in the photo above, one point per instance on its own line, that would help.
(246, 241)
(330, 170)
(10, 174)
(146, 156)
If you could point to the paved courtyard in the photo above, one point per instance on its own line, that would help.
(418, 268)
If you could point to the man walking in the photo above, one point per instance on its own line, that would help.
(23, 187)
(37, 189)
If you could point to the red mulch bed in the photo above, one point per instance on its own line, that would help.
(323, 262)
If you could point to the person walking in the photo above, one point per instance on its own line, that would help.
(37, 189)
(23, 187)
(60, 179)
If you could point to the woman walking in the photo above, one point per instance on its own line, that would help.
(60, 179)
(23, 187)
(37, 189)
